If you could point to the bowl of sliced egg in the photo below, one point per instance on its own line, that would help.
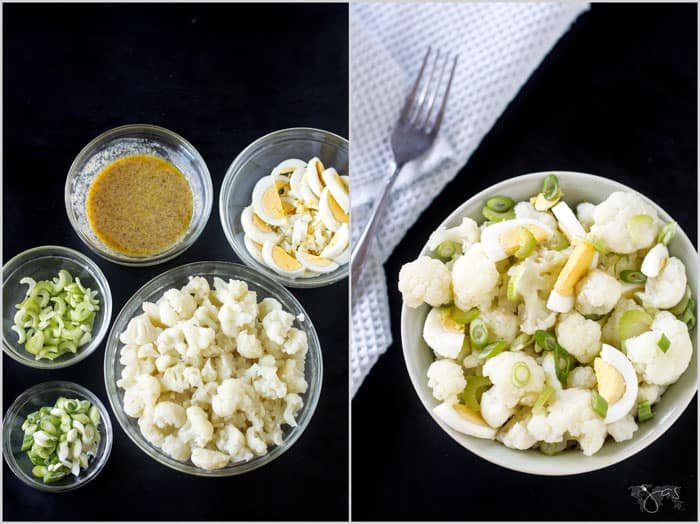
(285, 207)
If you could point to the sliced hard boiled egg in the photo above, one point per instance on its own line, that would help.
(617, 382)
(267, 202)
(338, 243)
(295, 180)
(313, 175)
(287, 167)
(280, 261)
(630, 289)
(502, 239)
(256, 228)
(442, 334)
(254, 248)
(307, 195)
(289, 205)
(464, 420)
(655, 260)
(299, 231)
(332, 215)
(561, 298)
(542, 204)
(337, 188)
(344, 257)
(315, 262)
(568, 222)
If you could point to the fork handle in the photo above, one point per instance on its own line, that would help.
(360, 250)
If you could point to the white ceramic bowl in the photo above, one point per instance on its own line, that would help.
(577, 187)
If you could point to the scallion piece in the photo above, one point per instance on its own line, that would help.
(522, 341)
(562, 363)
(478, 333)
(633, 323)
(545, 340)
(667, 233)
(664, 343)
(495, 216)
(598, 243)
(464, 317)
(500, 204)
(557, 241)
(633, 277)
(520, 374)
(471, 396)
(679, 308)
(493, 349)
(599, 404)
(550, 187)
(527, 243)
(447, 249)
(645, 412)
(543, 398)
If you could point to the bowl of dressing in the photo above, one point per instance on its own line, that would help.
(138, 195)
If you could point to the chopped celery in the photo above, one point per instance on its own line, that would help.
(471, 396)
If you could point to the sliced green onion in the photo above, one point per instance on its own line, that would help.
(495, 216)
(688, 315)
(447, 249)
(543, 398)
(633, 323)
(464, 317)
(550, 187)
(471, 396)
(527, 244)
(599, 404)
(500, 204)
(637, 224)
(667, 233)
(520, 374)
(545, 340)
(512, 289)
(552, 448)
(522, 341)
(493, 349)
(633, 277)
(478, 333)
(645, 412)
(562, 363)
(598, 243)
(558, 241)
(664, 343)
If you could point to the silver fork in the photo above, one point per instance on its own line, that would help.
(413, 134)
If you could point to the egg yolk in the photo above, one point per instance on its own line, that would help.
(576, 266)
(611, 384)
(284, 260)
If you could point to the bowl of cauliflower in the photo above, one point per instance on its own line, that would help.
(213, 369)
(548, 324)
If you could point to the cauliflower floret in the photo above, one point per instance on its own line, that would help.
(248, 345)
(293, 404)
(425, 280)
(581, 377)
(611, 330)
(527, 210)
(139, 331)
(570, 413)
(209, 459)
(228, 397)
(474, 279)
(667, 289)
(623, 429)
(176, 448)
(579, 336)
(169, 414)
(446, 379)
(197, 429)
(229, 440)
(265, 379)
(652, 364)
(149, 430)
(493, 409)
(142, 394)
(277, 324)
(466, 234)
(268, 305)
(650, 392)
(502, 324)
(515, 434)
(176, 305)
(597, 293)
(500, 370)
(584, 212)
(297, 342)
(610, 223)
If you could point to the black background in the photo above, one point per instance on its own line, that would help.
(616, 97)
(221, 76)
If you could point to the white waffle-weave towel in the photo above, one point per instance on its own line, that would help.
(499, 46)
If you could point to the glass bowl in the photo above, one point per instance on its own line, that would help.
(133, 140)
(46, 394)
(264, 287)
(43, 263)
(257, 161)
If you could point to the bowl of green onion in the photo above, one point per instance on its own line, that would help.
(57, 306)
(57, 436)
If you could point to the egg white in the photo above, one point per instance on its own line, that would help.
(272, 264)
(253, 231)
(335, 185)
(443, 341)
(622, 364)
(338, 243)
(312, 264)
(263, 185)
(491, 236)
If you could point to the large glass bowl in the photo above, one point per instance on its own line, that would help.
(31, 400)
(257, 161)
(43, 263)
(137, 139)
(264, 287)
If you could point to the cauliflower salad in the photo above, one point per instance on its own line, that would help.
(553, 328)
(211, 374)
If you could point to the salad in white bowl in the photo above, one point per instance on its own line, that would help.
(552, 327)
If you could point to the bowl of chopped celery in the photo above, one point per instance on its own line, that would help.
(515, 443)
(57, 436)
(57, 306)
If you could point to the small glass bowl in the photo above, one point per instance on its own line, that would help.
(43, 263)
(264, 287)
(137, 139)
(257, 161)
(46, 394)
